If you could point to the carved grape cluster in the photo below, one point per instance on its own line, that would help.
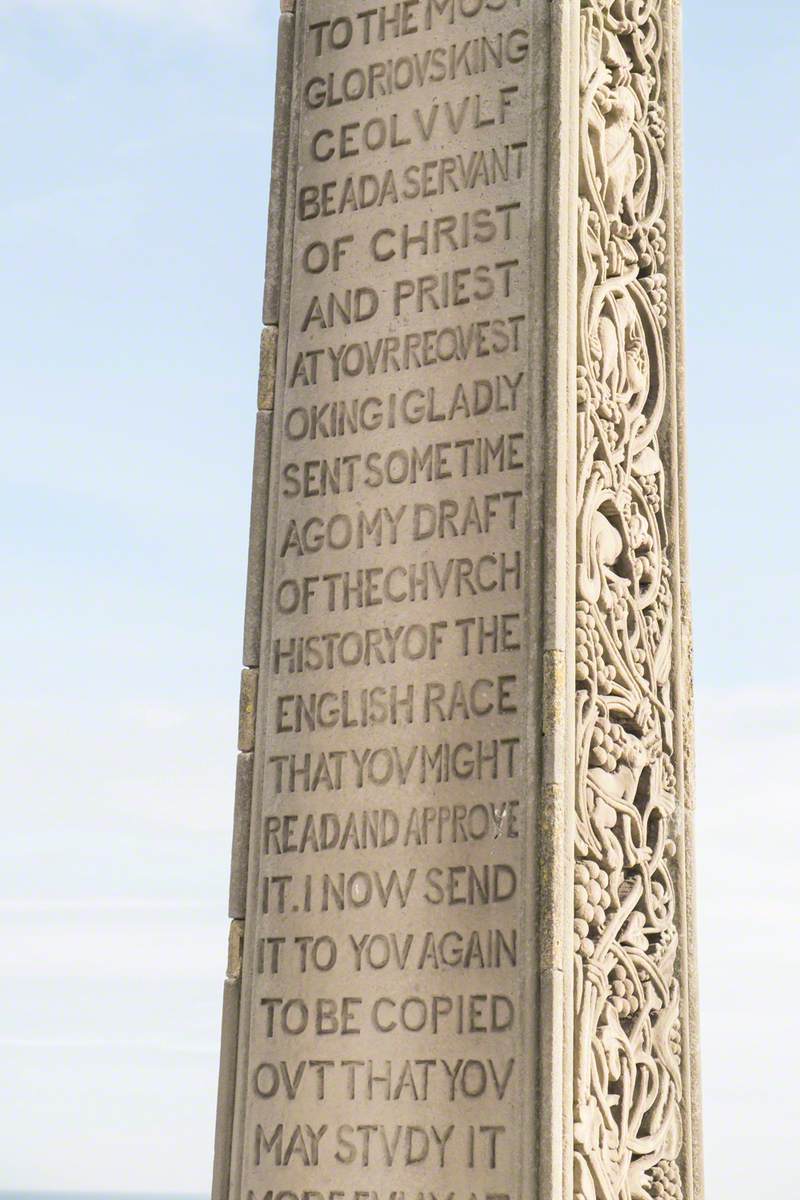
(651, 491)
(656, 286)
(660, 901)
(623, 993)
(656, 123)
(590, 662)
(592, 903)
(664, 944)
(609, 412)
(609, 743)
(650, 242)
(666, 1181)
(587, 643)
(615, 600)
(676, 1039)
(585, 391)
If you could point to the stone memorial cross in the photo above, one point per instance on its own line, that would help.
(462, 950)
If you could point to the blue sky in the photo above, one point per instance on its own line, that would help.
(136, 139)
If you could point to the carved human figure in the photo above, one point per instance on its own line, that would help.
(619, 349)
(619, 105)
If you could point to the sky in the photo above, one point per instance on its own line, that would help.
(132, 226)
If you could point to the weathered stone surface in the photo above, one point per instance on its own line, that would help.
(248, 698)
(268, 366)
(461, 855)
(280, 165)
(254, 601)
(240, 853)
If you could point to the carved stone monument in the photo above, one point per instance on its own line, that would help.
(462, 952)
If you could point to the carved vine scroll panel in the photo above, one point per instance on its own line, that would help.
(633, 1121)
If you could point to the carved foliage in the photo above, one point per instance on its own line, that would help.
(628, 1037)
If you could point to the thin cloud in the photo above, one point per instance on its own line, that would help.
(215, 16)
(747, 853)
(103, 905)
(110, 947)
(113, 1045)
